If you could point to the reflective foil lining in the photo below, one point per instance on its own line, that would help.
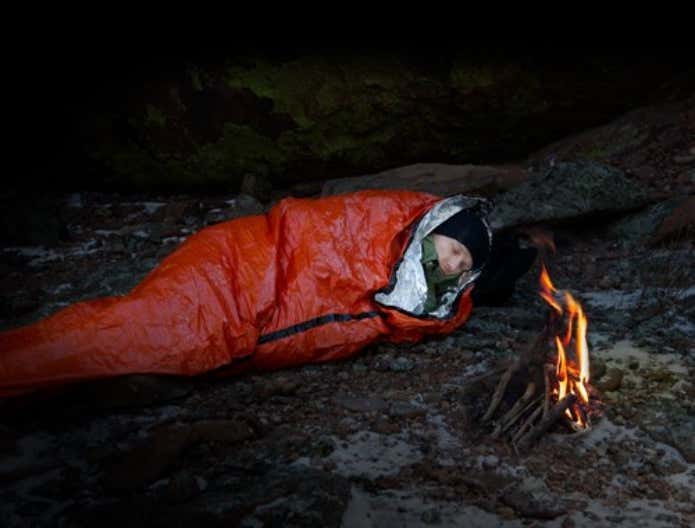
(409, 292)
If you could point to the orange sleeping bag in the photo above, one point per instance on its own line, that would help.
(293, 286)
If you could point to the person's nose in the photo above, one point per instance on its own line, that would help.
(455, 265)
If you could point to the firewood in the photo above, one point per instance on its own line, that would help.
(522, 405)
(528, 423)
(535, 353)
(557, 411)
(546, 400)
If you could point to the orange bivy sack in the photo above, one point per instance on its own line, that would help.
(296, 285)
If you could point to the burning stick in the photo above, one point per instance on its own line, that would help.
(554, 415)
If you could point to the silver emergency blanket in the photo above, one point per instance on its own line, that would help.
(410, 290)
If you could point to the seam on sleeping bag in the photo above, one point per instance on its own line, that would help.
(313, 323)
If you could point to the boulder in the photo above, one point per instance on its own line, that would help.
(435, 178)
(571, 190)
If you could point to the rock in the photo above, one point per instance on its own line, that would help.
(431, 516)
(612, 380)
(489, 482)
(173, 212)
(257, 186)
(385, 427)
(659, 375)
(215, 216)
(682, 434)
(308, 497)
(324, 446)
(401, 364)
(531, 498)
(382, 364)
(643, 226)
(597, 369)
(361, 404)
(131, 391)
(490, 462)
(406, 410)
(278, 387)
(437, 178)
(222, 431)
(432, 398)
(181, 487)
(242, 205)
(202, 483)
(147, 461)
(679, 221)
(568, 190)
(669, 423)
(567, 522)
(506, 512)
(359, 368)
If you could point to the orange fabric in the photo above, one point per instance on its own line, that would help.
(290, 287)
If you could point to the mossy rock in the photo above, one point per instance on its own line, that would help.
(315, 116)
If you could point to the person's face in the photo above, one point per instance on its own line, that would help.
(454, 258)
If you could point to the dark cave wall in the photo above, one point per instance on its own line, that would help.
(202, 121)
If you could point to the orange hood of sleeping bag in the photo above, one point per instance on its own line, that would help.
(293, 286)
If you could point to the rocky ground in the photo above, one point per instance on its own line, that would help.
(392, 437)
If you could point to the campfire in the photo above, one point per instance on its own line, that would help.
(555, 370)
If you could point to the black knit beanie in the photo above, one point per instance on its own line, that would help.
(470, 230)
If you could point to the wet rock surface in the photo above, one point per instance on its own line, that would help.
(532, 498)
(389, 437)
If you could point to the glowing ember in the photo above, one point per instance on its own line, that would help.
(572, 374)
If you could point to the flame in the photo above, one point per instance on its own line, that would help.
(547, 290)
(572, 377)
(561, 370)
